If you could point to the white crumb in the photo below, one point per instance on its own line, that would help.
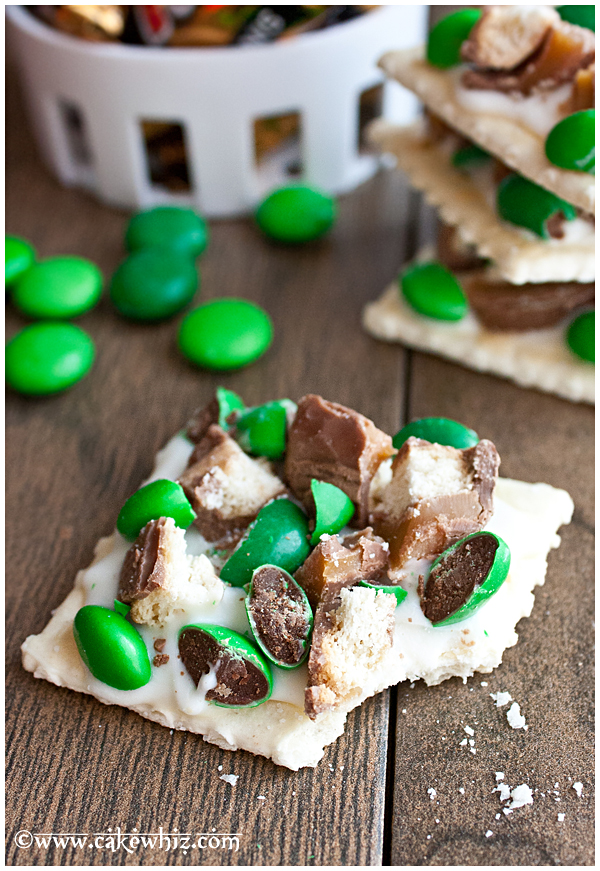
(469, 730)
(463, 743)
(515, 718)
(231, 779)
(471, 742)
(472, 750)
(484, 683)
(497, 817)
(219, 768)
(431, 793)
(499, 776)
(461, 789)
(578, 787)
(504, 791)
(501, 699)
(403, 710)
(261, 797)
(521, 795)
(561, 818)
(489, 833)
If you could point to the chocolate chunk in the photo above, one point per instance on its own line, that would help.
(335, 444)
(452, 581)
(159, 644)
(202, 419)
(502, 306)
(506, 36)
(362, 556)
(160, 659)
(452, 252)
(239, 682)
(143, 569)
(279, 613)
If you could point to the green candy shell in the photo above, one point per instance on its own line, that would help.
(571, 144)
(153, 284)
(432, 290)
(112, 649)
(121, 608)
(240, 646)
(225, 334)
(296, 214)
(390, 589)
(59, 287)
(169, 227)
(228, 403)
(447, 36)
(470, 155)
(525, 204)
(438, 430)
(162, 498)
(278, 536)
(18, 257)
(262, 430)
(48, 358)
(582, 16)
(581, 336)
(494, 580)
(334, 509)
(256, 635)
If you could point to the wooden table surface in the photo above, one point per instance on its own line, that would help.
(77, 766)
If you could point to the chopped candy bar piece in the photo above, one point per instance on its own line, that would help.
(505, 36)
(335, 444)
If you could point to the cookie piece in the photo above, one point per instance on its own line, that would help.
(226, 487)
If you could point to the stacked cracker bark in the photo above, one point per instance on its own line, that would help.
(523, 290)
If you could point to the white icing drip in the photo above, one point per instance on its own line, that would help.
(192, 699)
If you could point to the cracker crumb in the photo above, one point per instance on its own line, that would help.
(489, 833)
(499, 776)
(231, 779)
(463, 743)
(504, 791)
(469, 730)
(501, 699)
(561, 818)
(515, 719)
(578, 787)
(521, 795)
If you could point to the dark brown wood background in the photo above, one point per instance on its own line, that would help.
(76, 766)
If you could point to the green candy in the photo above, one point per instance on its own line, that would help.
(470, 155)
(432, 290)
(581, 336)
(112, 649)
(296, 214)
(571, 144)
(121, 608)
(60, 287)
(456, 560)
(583, 16)
(261, 431)
(169, 227)
(225, 334)
(228, 403)
(333, 509)
(278, 536)
(48, 358)
(447, 36)
(222, 645)
(526, 204)
(153, 284)
(295, 603)
(18, 257)
(438, 430)
(391, 590)
(162, 498)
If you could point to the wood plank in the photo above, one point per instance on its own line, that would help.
(73, 459)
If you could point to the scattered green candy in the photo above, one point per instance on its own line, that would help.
(111, 648)
(390, 589)
(296, 214)
(433, 291)
(581, 336)
(162, 498)
(333, 509)
(47, 358)
(18, 257)
(278, 536)
(60, 287)
(583, 16)
(571, 144)
(526, 204)
(205, 645)
(169, 227)
(225, 334)
(470, 155)
(294, 616)
(121, 608)
(228, 403)
(447, 36)
(483, 555)
(153, 284)
(438, 430)
(262, 430)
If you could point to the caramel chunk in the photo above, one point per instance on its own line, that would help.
(362, 556)
(584, 91)
(353, 632)
(335, 444)
(450, 584)
(505, 36)
(281, 617)
(503, 306)
(239, 682)
(437, 495)
(226, 487)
